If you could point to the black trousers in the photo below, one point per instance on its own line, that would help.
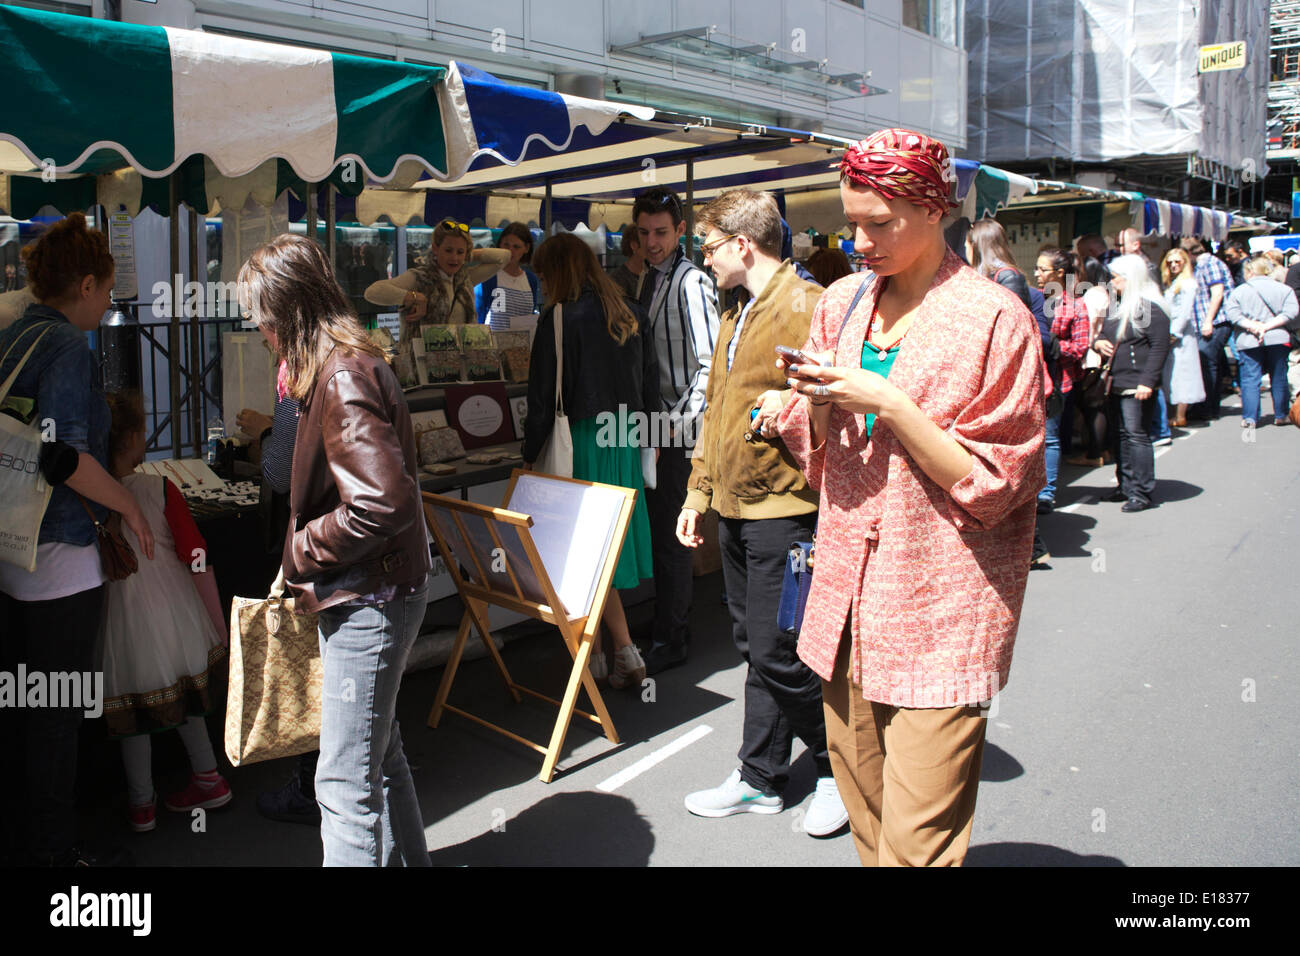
(783, 698)
(38, 745)
(674, 571)
(1130, 444)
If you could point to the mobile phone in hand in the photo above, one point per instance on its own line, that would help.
(794, 356)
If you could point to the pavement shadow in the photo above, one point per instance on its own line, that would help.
(1066, 534)
(460, 762)
(1032, 854)
(999, 766)
(612, 832)
(1171, 490)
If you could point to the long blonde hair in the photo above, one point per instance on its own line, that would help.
(288, 286)
(1186, 275)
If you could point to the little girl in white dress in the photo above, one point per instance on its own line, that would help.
(162, 635)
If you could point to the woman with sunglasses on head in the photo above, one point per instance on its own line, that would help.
(1182, 375)
(356, 552)
(439, 290)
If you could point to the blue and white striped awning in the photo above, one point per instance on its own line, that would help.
(1165, 218)
(491, 123)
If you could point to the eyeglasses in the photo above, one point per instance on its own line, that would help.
(453, 224)
(709, 248)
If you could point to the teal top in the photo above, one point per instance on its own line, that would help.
(881, 363)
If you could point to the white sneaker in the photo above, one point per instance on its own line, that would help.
(826, 812)
(734, 796)
(597, 665)
(629, 668)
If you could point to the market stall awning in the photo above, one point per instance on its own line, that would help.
(1179, 219)
(92, 96)
(490, 122)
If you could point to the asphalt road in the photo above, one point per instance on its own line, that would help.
(1148, 719)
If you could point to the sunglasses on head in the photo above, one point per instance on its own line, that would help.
(450, 223)
(666, 200)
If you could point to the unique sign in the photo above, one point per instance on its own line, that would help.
(1222, 56)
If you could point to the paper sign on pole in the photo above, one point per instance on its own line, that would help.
(121, 244)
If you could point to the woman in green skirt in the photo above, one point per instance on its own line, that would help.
(610, 391)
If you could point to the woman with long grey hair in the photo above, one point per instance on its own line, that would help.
(1134, 340)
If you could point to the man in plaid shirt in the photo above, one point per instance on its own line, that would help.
(1213, 283)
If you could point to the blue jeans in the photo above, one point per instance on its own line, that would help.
(1212, 362)
(1160, 419)
(1053, 456)
(369, 813)
(1254, 362)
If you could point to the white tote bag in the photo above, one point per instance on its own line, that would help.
(557, 454)
(24, 492)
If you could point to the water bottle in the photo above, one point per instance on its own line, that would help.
(216, 435)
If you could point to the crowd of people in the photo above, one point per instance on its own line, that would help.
(914, 428)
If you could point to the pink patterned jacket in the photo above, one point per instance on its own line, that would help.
(933, 580)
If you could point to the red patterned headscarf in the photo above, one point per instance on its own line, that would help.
(901, 164)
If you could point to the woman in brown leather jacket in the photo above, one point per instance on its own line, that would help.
(356, 551)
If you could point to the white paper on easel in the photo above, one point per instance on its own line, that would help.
(247, 376)
(573, 528)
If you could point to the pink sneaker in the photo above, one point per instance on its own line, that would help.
(195, 796)
(142, 818)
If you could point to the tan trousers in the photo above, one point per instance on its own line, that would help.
(907, 777)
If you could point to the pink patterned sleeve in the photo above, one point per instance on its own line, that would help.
(793, 425)
(1003, 427)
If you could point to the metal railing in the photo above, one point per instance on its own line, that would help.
(155, 360)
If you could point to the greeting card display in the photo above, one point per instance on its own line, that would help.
(439, 338)
(482, 365)
(475, 337)
(441, 367)
(515, 353)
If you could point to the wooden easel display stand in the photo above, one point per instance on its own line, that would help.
(491, 555)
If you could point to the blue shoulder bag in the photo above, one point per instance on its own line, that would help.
(799, 560)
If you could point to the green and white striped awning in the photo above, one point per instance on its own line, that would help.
(94, 96)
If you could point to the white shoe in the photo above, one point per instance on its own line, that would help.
(734, 796)
(826, 812)
(629, 668)
(597, 665)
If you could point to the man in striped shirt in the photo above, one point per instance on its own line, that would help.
(1213, 283)
(683, 307)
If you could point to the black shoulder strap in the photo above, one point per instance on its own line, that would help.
(857, 296)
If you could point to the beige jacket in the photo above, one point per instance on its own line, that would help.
(759, 478)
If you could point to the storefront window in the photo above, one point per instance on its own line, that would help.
(935, 17)
(362, 255)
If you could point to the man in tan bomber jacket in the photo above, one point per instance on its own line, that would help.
(764, 504)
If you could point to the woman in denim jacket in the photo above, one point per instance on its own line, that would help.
(52, 615)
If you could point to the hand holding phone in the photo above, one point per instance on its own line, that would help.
(794, 356)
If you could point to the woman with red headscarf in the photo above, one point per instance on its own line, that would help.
(919, 418)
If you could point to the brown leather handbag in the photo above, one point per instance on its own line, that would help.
(115, 554)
